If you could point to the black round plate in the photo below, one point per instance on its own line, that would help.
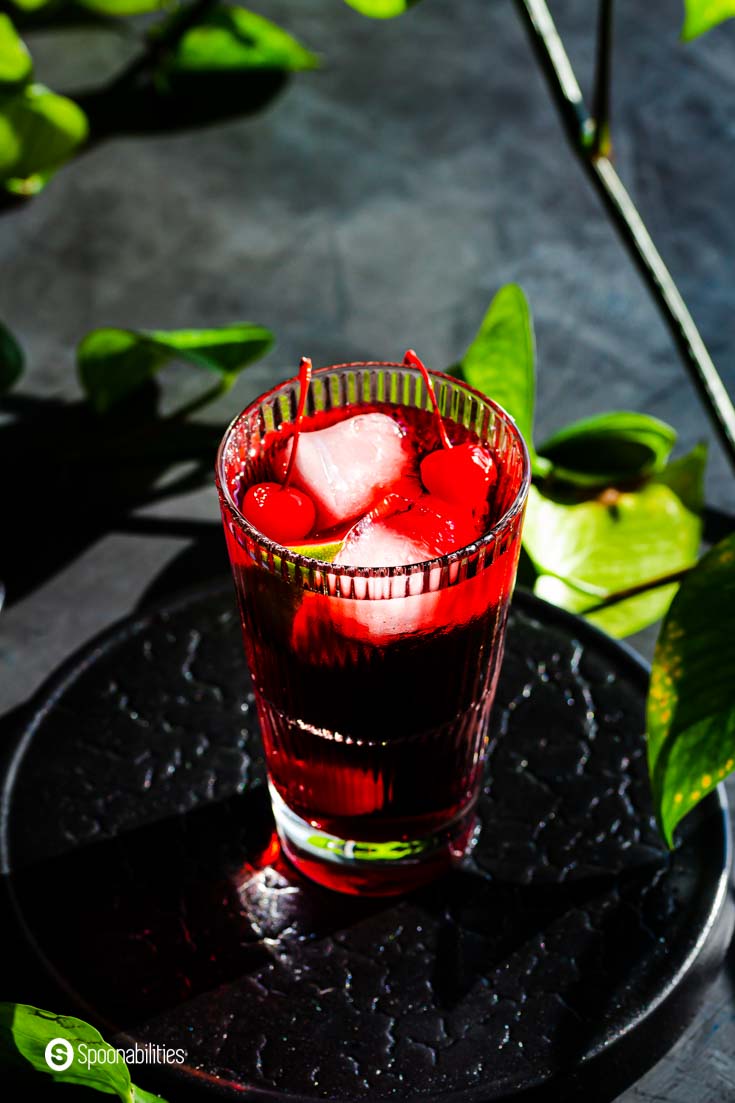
(560, 961)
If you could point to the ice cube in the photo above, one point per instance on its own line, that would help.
(384, 543)
(413, 532)
(345, 468)
(371, 615)
(380, 609)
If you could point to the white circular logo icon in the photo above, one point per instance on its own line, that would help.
(59, 1054)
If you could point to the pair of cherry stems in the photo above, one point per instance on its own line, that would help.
(411, 360)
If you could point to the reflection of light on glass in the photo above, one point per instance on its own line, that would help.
(267, 895)
(272, 851)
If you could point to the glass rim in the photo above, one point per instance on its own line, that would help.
(346, 570)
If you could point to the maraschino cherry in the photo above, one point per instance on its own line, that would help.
(442, 525)
(278, 510)
(460, 473)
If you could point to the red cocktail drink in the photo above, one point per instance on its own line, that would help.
(374, 641)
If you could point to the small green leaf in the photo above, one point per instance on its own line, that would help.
(30, 5)
(38, 132)
(230, 38)
(117, 9)
(381, 9)
(500, 362)
(29, 1031)
(16, 66)
(11, 360)
(609, 448)
(703, 15)
(324, 553)
(28, 185)
(601, 545)
(691, 706)
(115, 362)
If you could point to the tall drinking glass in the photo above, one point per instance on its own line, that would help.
(373, 684)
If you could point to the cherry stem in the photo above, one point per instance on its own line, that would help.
(305, 369)
(413, 361)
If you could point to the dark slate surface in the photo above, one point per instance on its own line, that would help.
(539, 962)
(378, 204)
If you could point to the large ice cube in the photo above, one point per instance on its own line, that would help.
(345, 468)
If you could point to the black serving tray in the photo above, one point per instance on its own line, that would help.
(562, 960)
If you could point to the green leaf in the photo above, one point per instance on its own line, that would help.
(117, 9)
(691, 706)
(587, 549)
(381, 9)
(115, 362)
(230, 38)
(30, 5)
(609, 448)
(27, 1032)
(16, 66)
(685, 476)
(500, 362)
(11, 360)
(38, 132)
(139, 1095)
(703, 15)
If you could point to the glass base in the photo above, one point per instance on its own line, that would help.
(369, 868)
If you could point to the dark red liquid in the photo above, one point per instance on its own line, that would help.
(374, 715)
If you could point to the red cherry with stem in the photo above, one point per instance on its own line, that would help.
(279, 511)
(464, 473)
(456, 472)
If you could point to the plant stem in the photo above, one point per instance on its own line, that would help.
(615, 596)
(605, 598)
(603, 77)
(583, 136)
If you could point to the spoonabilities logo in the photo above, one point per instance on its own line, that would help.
(59, 1054)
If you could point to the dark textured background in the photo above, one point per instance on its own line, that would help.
(378, 204)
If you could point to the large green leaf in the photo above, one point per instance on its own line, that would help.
(16, 66)
(115, 362)
(691, 703)
(702, 15)
(28, 1033)
(38, 132)
(381, 9)
(230, 38)
(609, 448)
(11, 360)
(500, 362)
(120, 8)
(588, 549)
